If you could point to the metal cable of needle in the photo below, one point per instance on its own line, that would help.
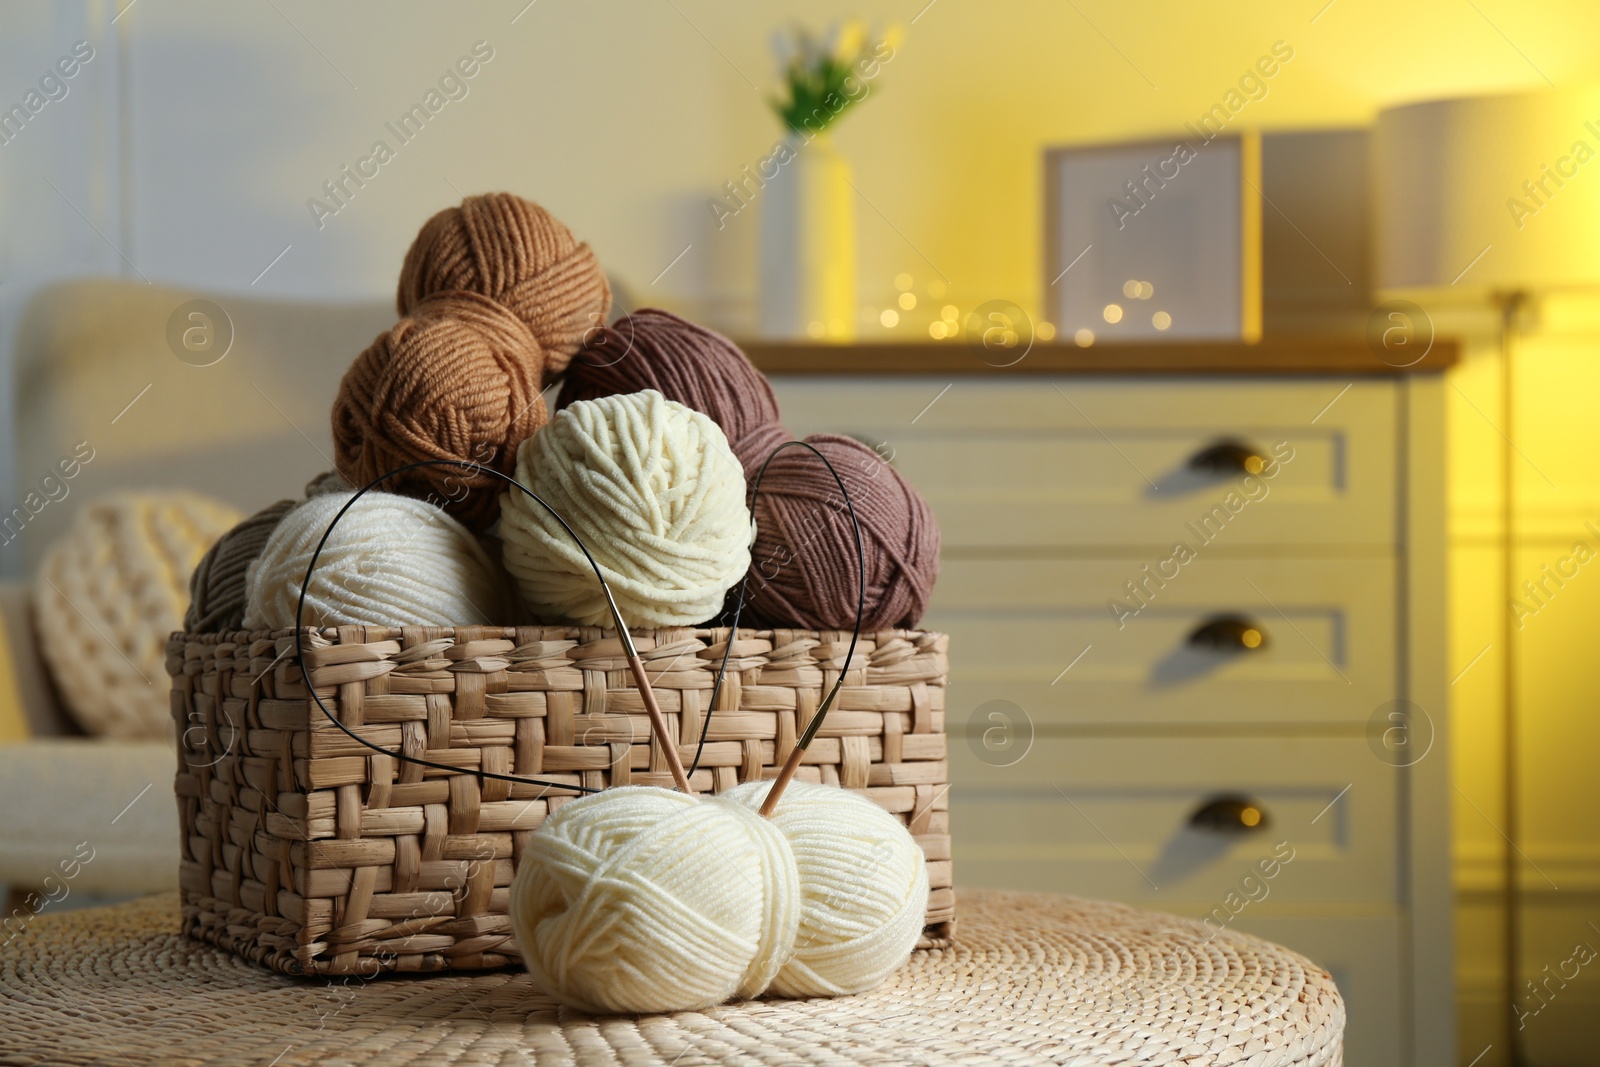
(657, 721)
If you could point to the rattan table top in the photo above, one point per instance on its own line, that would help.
(1032, 979)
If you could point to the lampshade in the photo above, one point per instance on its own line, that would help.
(1493, 193)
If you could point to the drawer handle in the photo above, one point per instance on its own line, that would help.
(1229, 633)
(1229, 815)
(1228, 457)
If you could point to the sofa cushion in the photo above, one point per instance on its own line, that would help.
(108, 596)
(92, 816)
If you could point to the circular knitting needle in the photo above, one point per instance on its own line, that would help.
(792, 764)
(658, 721)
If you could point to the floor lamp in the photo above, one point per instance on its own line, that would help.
(1486, 201)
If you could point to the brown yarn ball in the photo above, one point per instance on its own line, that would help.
(654, 349)
(803, 566)
(216, 588)
(457, 378)
(517, 253)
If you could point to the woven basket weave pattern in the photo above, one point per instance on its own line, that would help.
(308, 852)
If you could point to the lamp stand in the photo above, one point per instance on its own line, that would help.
(1511, 305)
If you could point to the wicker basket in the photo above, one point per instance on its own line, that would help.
(307, 852)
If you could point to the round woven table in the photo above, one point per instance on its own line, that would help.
(1032, 979)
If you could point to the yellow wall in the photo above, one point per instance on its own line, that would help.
(625, 117)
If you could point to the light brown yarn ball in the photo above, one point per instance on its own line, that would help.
(457, 378)
(517, 253)
(109, 593)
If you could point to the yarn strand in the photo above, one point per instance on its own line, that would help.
(861, 603)
(478, 469)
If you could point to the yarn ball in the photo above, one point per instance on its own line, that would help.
(653, 349)
(652, 489)
(803, 563)
(216, 588)
(391, 561)
(804, 570)
(109, 593)
(639, 899)
(863, 888)
(458, 378)
(515, 252)
(328, 482)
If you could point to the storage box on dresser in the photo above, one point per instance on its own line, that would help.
(306, 851)
(1081, 749)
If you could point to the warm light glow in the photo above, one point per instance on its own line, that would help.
(1146, 290)
(1250, 817)
(1251, 638)
(1083, 338)
(1161, 320)
(1045, 331)
(1113, 313)
(838, 328)
(936, 330)
(908, 300)
(950, 313)
(1130, 289)
(890, 317)
(902, 282)
(814, 328)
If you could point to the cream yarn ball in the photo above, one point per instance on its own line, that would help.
(110, 592)
(392, 561)
(640, 899)
(654, 491)
(863, 888)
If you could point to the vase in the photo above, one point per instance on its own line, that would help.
(808, 244)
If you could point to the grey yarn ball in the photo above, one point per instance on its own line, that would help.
(216, 588)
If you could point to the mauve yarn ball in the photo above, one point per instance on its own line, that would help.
(803, 567)
(697, 367)
(803, 563)
(457, 378)
(514, 252)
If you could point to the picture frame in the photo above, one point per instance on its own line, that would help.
(1155, 239)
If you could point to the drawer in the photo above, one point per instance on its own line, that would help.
(1082, 462)
(1019, 630)
(1113, 819)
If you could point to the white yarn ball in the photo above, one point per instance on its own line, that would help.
(640, 899)
(653, 489)
(863, 888)
(392, 561)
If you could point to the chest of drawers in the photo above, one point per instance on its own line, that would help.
(1196, 636)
